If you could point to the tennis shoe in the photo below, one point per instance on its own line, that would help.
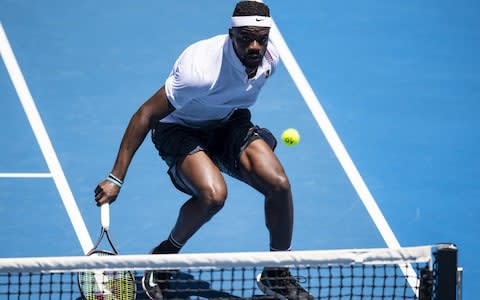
(155, 282)
(280, 283)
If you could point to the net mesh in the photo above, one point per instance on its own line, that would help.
(335, 274)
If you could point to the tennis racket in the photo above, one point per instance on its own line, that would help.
(106, 285)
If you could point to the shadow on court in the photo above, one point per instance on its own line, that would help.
(184, 286)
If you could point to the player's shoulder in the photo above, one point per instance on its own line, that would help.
(204, 54)
(210, 47)
(199, 63)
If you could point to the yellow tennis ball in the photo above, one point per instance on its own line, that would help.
(290, 137)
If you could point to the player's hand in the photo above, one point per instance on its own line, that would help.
(106, 192)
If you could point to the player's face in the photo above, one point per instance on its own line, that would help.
(250, 44)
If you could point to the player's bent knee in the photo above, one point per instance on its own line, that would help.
(213, 200)
(211, 208)
(280, 185)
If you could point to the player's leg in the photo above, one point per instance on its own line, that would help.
(208, 189)
(255, 163)
(246, 153)
(193, 172)
(261, 169)
(197, 175)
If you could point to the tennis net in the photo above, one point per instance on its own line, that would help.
(425, 272)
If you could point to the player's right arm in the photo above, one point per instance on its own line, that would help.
(155, 108)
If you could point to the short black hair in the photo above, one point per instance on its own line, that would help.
(251, 8)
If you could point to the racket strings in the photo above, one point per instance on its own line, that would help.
(107, 285)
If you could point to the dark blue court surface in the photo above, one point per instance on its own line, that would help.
(400, 82)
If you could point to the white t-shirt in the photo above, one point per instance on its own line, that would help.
(208, 82)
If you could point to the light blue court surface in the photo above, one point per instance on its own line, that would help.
(399, 82)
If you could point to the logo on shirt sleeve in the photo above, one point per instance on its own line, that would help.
(267, 73)
(270, 61)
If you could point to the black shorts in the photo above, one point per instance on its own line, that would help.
(223, 144)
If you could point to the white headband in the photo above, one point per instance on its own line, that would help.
(258, 21)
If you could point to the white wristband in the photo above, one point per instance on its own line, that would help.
(113, 179)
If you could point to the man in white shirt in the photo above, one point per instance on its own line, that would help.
(201, 127)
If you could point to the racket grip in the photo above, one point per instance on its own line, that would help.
(105, 215)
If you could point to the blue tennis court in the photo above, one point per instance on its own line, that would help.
(399, 84)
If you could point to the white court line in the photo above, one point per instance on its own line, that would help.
(26, 175)
(337, 146)
(44, 141)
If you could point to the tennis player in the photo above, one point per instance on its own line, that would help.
(200, 125)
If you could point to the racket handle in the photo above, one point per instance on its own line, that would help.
(105, 215)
